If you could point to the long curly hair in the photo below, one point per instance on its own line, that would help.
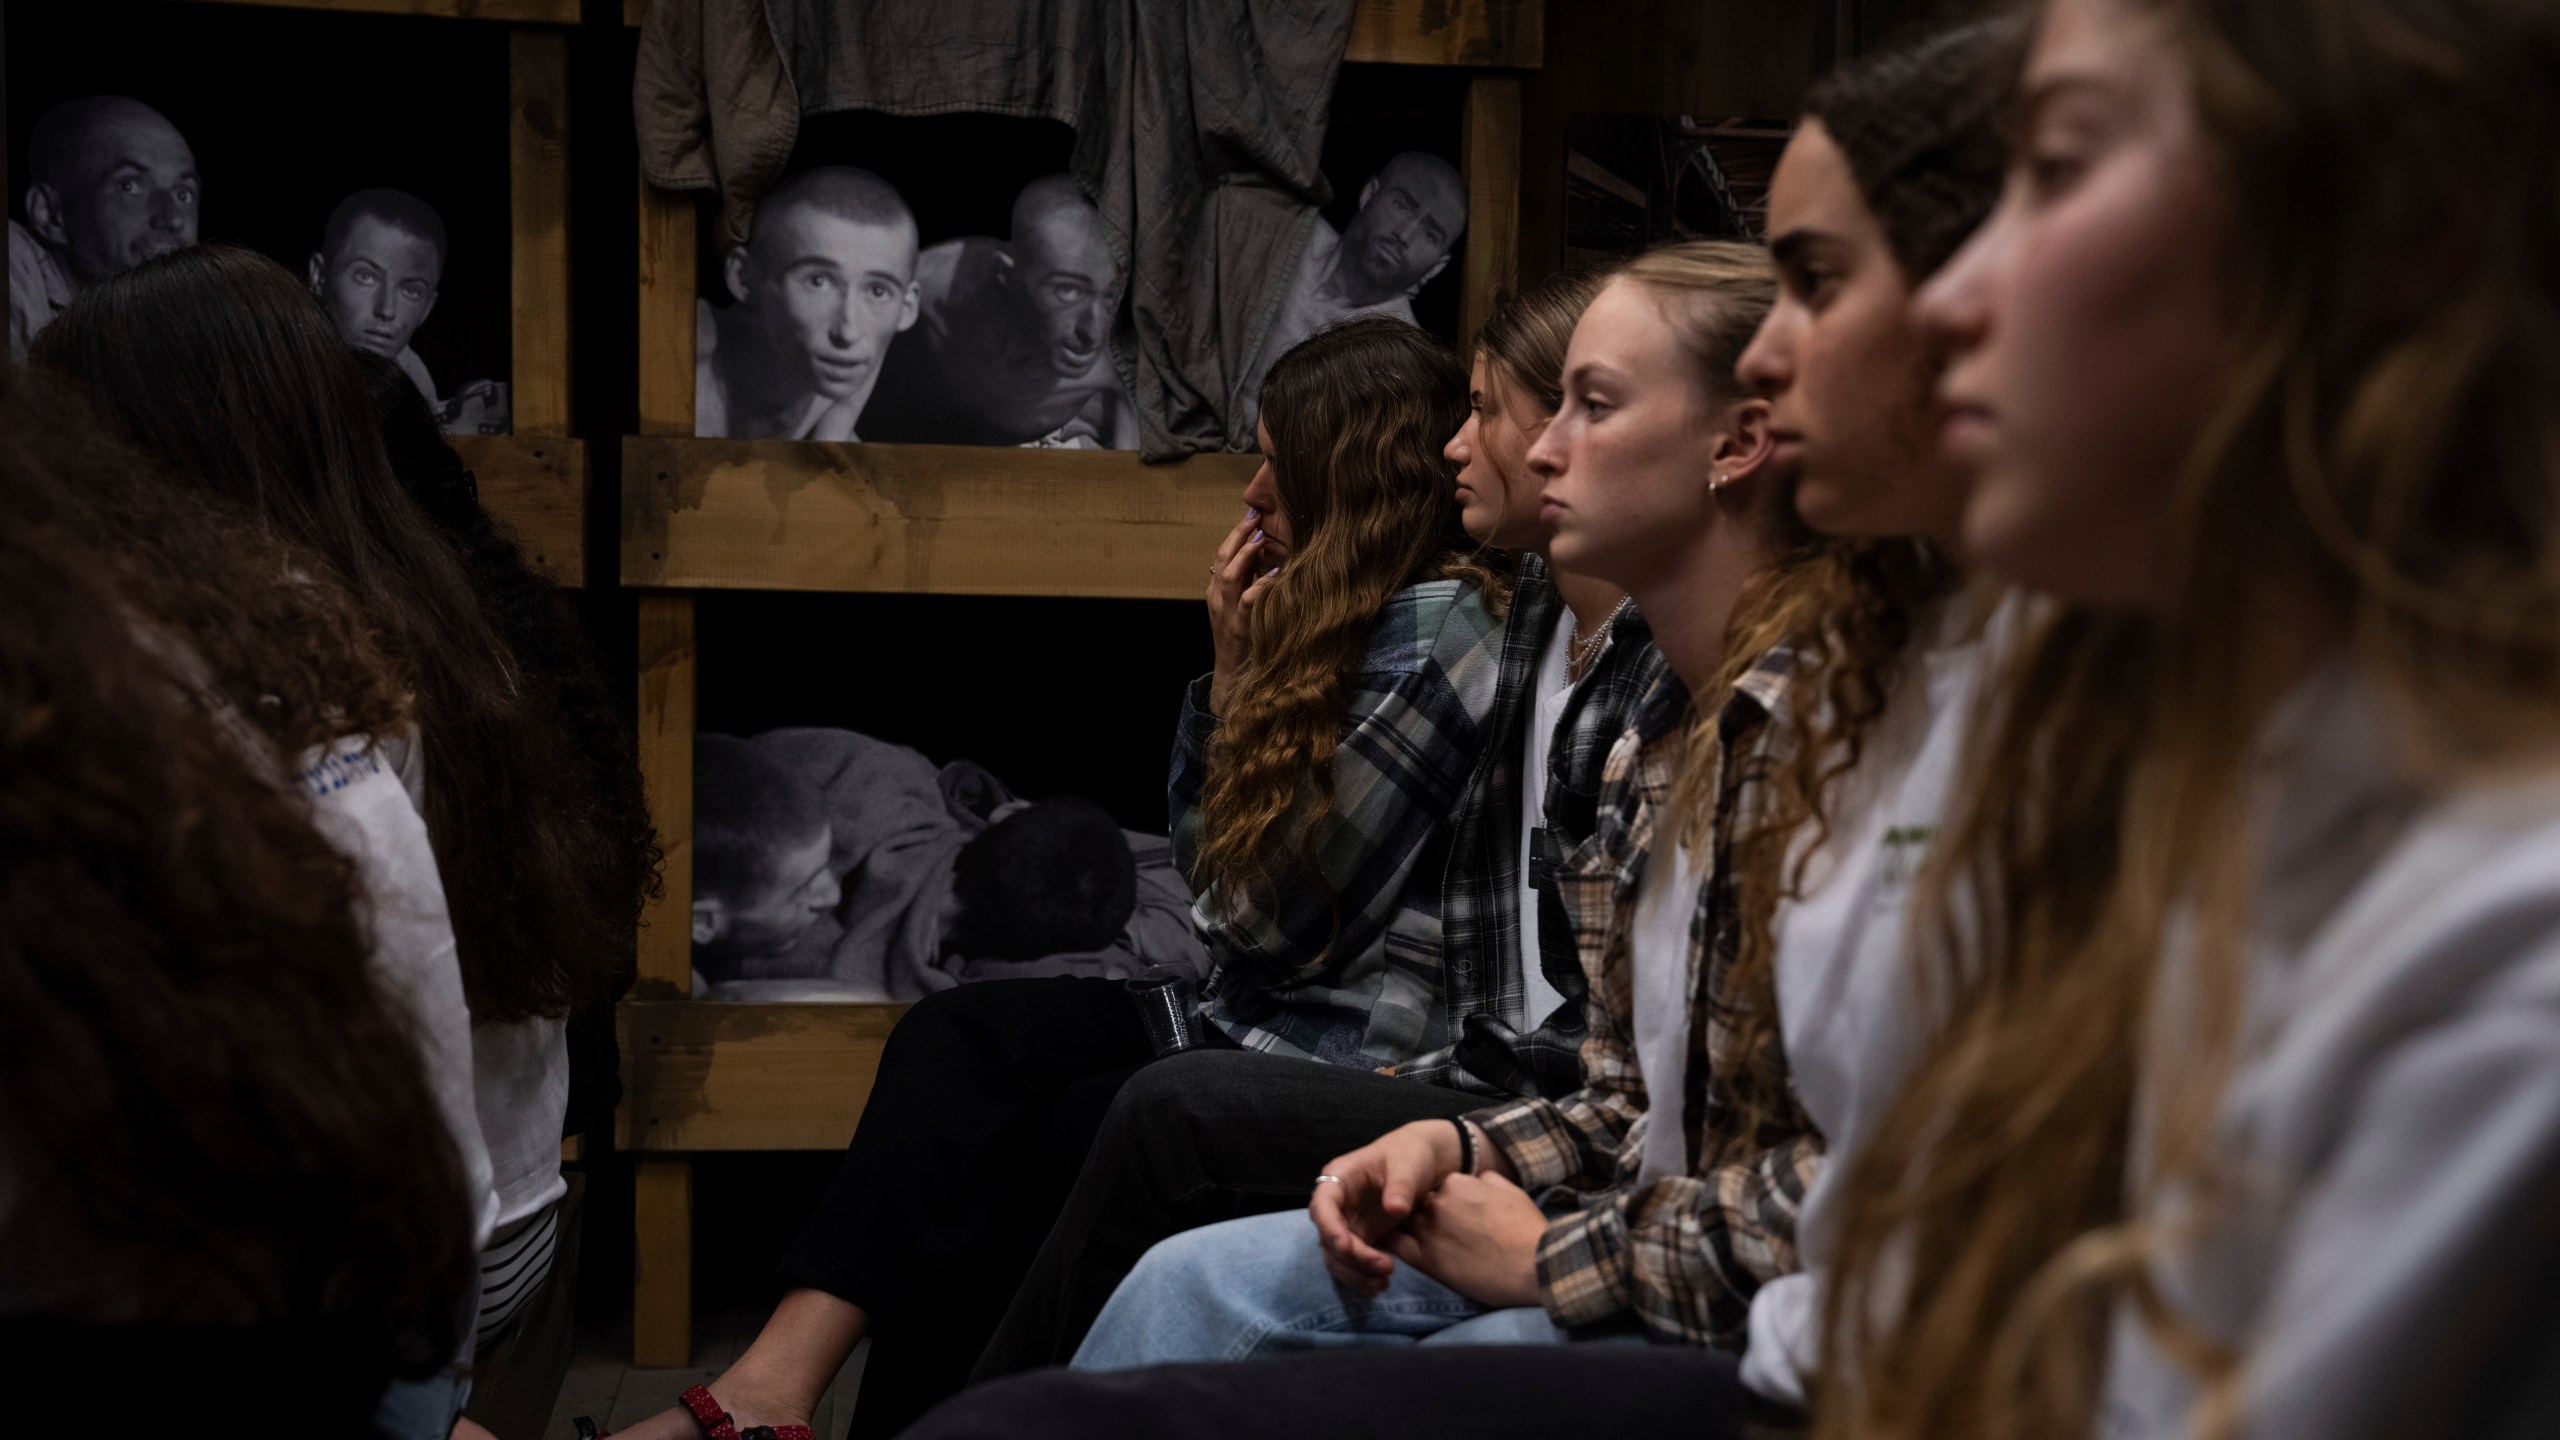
(220, 364)
(2381, 467)
(1357, 415)
(212, 1117)
(1919, 126)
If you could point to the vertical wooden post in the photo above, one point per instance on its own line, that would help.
(1490, 155)
(662, 1207)
(538, 196)
(666, 768)
(666, 312)
(662, 1290)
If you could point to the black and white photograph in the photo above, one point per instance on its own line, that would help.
(944, 280)
(833, 866)
(386, 187)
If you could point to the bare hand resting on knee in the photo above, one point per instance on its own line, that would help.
(1383, 1183)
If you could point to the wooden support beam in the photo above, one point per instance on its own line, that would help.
(666, 311)
(666, 772)
(662, 1263)
(518, 12)
(538, 209)
(535, 486)
(1490, 155)
(715, 1075)
(922, 519)
(1510, 34)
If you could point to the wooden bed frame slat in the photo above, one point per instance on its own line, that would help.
(666, 772)
(538, 212)
(703, 1075)
(1503, 33)
(923, 519)
(522, 12)
(535, 486)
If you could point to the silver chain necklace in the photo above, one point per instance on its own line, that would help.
(1585, 651)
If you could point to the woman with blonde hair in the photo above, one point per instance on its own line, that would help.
(1357, 633)
(1215, 1134)
(2247, 1119)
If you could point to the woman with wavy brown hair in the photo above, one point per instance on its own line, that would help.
(2247, 1119)
(219, 363)
(225, 1155)
(1357, 633)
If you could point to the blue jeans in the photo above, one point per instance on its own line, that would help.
(1257, 1285)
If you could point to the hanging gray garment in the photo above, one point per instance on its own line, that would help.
(1199, 124)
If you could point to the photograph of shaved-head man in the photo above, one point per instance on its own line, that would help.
(1013, 347)
(826, 280)
(1411, 212)
(380, 262)
(111, 183)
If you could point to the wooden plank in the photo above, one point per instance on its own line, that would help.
(536, 487)
(666, 311)
(538, 200)
(1490, 154)
(922, 519)
(521, 12)
(711, 1075)
(1507, 33)
(666, 772)
(662, 1263)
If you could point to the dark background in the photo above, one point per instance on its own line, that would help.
(288, 113)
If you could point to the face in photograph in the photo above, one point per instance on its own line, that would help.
(113, 184)
(378, 269)
(1063, 273)
(829, 278)
(1410, 215)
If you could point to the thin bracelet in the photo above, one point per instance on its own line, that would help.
(1466, 1147)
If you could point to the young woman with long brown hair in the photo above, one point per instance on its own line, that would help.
(1838, 745)
(1215, 1134)
(223, 1147)
(2247, 1119)
(1656, 478)
(220, 364)
(1357, 640)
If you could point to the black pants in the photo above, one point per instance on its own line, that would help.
(1462, 1392)
(988, 1097)
(1191, 1141)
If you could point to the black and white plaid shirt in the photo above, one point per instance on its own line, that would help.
(1482, 928)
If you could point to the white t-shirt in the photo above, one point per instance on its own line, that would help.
(361, 804)
(1550, 687)
(1849, 1009)
(1666, 904)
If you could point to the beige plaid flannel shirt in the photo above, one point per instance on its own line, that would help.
(1684, 1254)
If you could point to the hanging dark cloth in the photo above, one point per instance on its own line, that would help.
(1199, 124)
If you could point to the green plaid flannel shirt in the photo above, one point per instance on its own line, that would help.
(1685, 1254)
(1354, 976)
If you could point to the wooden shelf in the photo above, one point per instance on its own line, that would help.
(521, 12)
(707, 1075)
(536, 486)
(1499, 34)
(922, 519)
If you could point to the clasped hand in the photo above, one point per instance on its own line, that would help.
(1401, 1198)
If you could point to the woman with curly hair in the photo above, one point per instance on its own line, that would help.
(1357, 634)
(238, 1132)
(219, 363)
